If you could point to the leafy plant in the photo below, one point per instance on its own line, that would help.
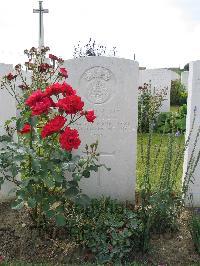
(41, 162)
(178, 94)
(111, 234)
(194, 226)
(149, 104)
(172, 121)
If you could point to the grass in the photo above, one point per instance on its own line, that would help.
(174, 108)
(156, 164)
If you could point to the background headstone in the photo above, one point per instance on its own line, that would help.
(174, 76)
(184, 79)
(7, 110)
(159, 79)
(193, 103)
(110, 87)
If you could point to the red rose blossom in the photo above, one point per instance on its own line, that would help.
(53, 126)
(63, 72)
(44, 67)
(39, 102)
(60, 60)
(53, 57)
(10, 76)
(42, 106)
(34, 97)
(54, 89)
(90, 116)
(69, 139)
(71, 104)
(26, 129)
(67, 89)
(58, 88)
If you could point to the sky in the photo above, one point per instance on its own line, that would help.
(162, 33)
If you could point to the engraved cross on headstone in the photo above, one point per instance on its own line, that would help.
(41, 11)
(104, 154)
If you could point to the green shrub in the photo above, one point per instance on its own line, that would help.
(172, 121)
(194, 225)
(178, 94)
(149, 104)
(109, 229)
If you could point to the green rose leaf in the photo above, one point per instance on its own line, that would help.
(86, 174)
(31, 202)
(60, 220)
(17, 205)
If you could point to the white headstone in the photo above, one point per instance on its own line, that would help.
(159, 79)
(109, 86)
(7, 110)
(174, 76)
(184, 79)
(193, 103)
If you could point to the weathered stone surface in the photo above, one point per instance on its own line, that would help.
(175, 76)
(193, 103)
(159, 79)
(109, 86)
(184, 79)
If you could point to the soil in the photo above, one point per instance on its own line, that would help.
(19, 241)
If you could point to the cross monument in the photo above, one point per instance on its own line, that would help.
(41, 11)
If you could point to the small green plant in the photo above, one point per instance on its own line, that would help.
(149, 104)
(178, 94)
(110, 230)
(194, 226)
(172, 121)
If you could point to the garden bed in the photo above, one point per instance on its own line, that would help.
(20, 242)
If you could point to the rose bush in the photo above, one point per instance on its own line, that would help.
(41, 163)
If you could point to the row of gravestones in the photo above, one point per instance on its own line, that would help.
(110, 87)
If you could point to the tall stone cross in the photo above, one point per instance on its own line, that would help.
(41, 11)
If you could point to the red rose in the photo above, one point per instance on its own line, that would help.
(90, 116)
(39, 103)
(63, 72)
(53, 57)
(57, 88)
(42, 106)
(69, 139)
(54, 89)
(67, 89)
(26, 129)
(44, 67)
(60, 60)
(34, 97)
(53, 126)
(71, 104)
(10, 76)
